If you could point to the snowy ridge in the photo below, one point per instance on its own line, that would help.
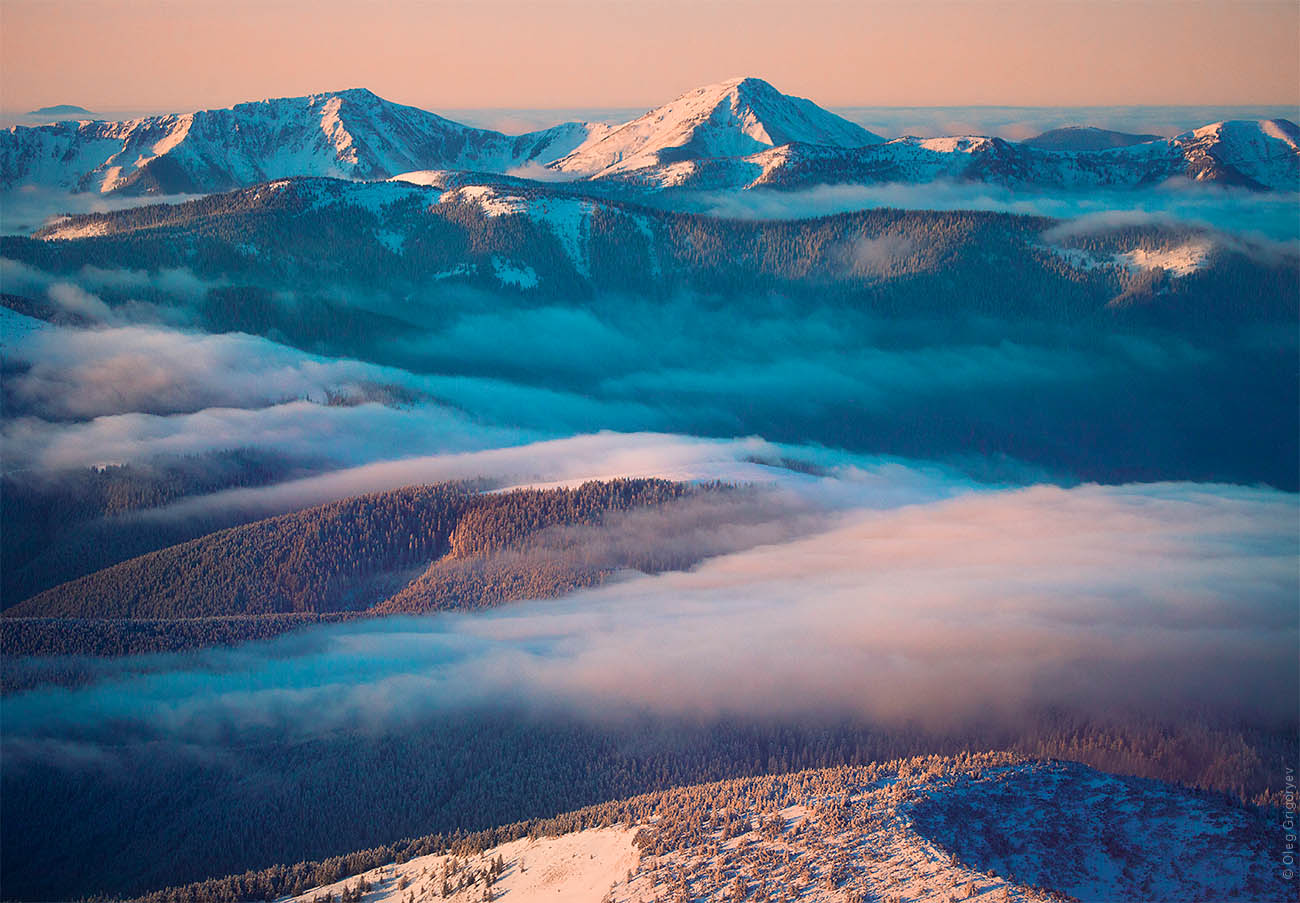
(486, 198)
(1258, 155)
(972, 827)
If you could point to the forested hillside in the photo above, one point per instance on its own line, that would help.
(354, 554)
(400, 238)
(1118, 351)
(61, 525)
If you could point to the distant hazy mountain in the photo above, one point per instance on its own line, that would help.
(1085, 138)
(733, 135)
(350, 134)
(61, 109)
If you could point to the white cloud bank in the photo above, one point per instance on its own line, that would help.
(1148, 600)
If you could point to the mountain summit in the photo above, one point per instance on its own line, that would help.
(734, 118)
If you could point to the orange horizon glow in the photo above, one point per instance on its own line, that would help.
(180, 55)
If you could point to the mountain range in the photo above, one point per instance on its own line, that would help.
(349, 134)
(737, 134)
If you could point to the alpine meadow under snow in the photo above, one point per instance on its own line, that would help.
(736, 502)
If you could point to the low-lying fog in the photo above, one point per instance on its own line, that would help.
(938, 605)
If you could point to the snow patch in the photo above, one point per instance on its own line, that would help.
(112, 177)
(955, 144)
(572, 868)
(460, 269)
(391, 240)
(1078, 258)
(570, 220)
(1275, 129)
(1180, 260)
(430, 178)
(487, 198)
(77, 230)
(508, 273)
(270, 188)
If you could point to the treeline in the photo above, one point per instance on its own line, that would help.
(683, 814)
(300, 562)
(504, 553)
(95, 825)
(343, 556)
(683, 817)
(67, 652)
(40, 309)
(60, 525)
(683, 832)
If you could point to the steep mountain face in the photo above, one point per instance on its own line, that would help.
(350, 134)
(730, 119)
(1085, 138)
(1257, 154)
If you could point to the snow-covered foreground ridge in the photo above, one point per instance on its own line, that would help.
(738, 133)
(989, 827)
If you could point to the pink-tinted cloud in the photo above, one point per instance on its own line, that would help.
(1148, 601)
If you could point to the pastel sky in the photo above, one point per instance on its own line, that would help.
(187, 54)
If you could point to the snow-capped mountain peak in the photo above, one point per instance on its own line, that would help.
(735, 134)
(733, 118)
(353, 134)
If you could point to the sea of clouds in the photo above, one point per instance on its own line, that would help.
(907, 595)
